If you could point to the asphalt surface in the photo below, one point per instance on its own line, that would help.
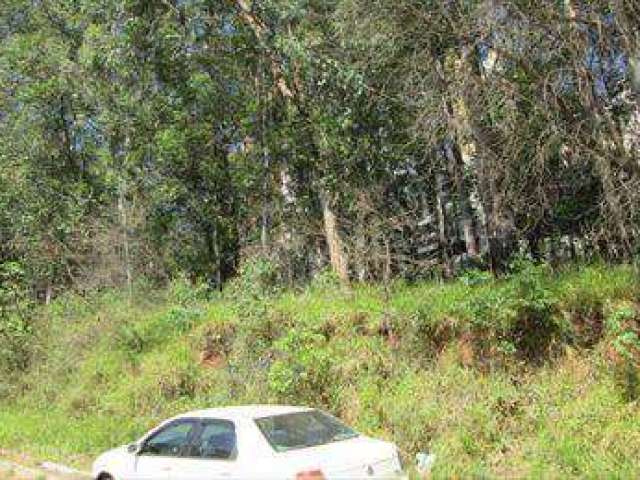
(10, 470)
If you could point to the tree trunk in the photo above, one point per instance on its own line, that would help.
(218, 259)
(266, 203)
(48, 294)
(125, 238)
(460, 151)
(360, 262)
(634, 65)
(467, 223)
(266, 193)
(613, 203)
(337, 255)
(443, 221)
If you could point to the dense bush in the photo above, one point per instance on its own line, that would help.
(623, 331)
(257, 276)
(302, 370)
(15, 336)
(16, 330)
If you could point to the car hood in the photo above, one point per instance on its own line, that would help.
(108, 459)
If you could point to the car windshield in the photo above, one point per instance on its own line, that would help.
(303, 429)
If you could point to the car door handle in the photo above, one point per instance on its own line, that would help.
(166, 469)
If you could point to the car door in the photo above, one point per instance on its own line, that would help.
(158, 455)
(212, 455)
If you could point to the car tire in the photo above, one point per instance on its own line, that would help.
(105, 476)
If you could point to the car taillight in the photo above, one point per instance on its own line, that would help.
(311, 475)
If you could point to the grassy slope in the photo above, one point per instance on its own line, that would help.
(458, 377)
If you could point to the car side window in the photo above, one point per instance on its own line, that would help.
(171, 441)
(217, 440)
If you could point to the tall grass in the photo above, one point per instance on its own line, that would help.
(528, 376)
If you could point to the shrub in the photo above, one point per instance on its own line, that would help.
(325, 280)
(425, 334)
(15, 336)
(518, 316)
(623, 327)
(216, 338)
(180, 320)
(132, 338)
(15, 330)
(302, 369)
(257, 277)
(186, 293)
(475, 277)
(138, 337)
(535, 324)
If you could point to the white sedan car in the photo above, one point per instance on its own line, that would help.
(252, 443)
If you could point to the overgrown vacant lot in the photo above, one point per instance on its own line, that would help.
(534, 375)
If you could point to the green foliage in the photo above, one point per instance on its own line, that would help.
(535, 306)
(623, 331)
(15, 336)
(325, 280)
(108, 370)
(475, 277)
(180, 320)
(302, 370)
(187, 294)
(618, 324)
(169, 146)
(11, 276)
(132, 339)
(257, 276)
(16, 330)
(516, 317)
(137, 338)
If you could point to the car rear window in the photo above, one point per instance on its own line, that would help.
(293, 431)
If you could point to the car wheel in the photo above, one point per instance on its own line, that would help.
(105, 476)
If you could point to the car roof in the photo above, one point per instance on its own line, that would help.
(244, 412)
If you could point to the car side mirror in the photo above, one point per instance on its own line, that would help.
(134, 448)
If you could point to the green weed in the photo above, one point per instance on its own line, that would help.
(533, 375)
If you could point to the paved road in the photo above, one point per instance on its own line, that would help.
(13, 471)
